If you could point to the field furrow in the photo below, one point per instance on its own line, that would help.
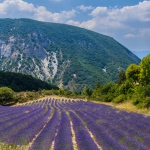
(52, 124)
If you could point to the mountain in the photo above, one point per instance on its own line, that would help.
(20, 82)
(69, 56)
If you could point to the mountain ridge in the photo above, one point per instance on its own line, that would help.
(71, 57)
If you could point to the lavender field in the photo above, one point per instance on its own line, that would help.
(72, 125)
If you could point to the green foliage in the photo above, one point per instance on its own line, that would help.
(146, 102)
(121, 98)
(141, 102)
(139, 91)
(89, 91)
(144, 76)
(130, 92)
(55, 92)
(6, 95)
(38, 61)
(146, 91)
(23, 56)
(107, 98)
(67, 93)
(73, 94)
(97, 86)
(133, 72)
(136, 101)
(123, 89)
(21, 82)
(19, 57)
(106, 88)
(61, 91)
(48, 92)
(122, 77)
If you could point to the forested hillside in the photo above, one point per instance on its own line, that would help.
(68, 56)
(20, 82)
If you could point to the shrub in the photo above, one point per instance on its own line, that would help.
(146, 102)
(121, 98)
(6, 95)
(48, 92)
(89, 91)
(130, 92)
(146, 91)
(61, 91)
(125, 87)
(30, 96)
(107, 98)
(55, 92)
(67, 93)
(73, 94)
(140, 105)
(136, 101)
(105, 88)
(23, 99)
(139, 90)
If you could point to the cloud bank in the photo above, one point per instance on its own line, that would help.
(127, 18)
(22, 9)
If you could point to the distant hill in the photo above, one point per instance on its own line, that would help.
(69, 56)
(20, 82)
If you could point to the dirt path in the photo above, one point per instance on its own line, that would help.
(73, 137)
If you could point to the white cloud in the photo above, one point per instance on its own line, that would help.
(21, 9)
(75, 23)
(88, 24)
(129, 18)
(43, 15)
(129, 35)
(98, 11)
(84, 8)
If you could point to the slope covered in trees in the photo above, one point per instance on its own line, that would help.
(69, 56)
(20, 82)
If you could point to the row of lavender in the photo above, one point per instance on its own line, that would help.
(112, 129)
(20, 125)
(16, 121)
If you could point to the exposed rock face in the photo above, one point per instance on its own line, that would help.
(39, 52)
(30, 58)
(5, 49)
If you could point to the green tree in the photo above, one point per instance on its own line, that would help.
(123, 89)
(61, 91)
(122, 77)
(133, 72)
(97, 86)
(89, 91)
(144, 76)
(6, 95)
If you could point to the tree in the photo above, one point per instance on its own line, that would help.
(122, 77)
(89, 91)
(97, 86)
(61, 91)
(144, 76)
(123, 89)
(133, 72)
(6, 95)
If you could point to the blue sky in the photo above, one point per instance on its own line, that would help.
(128, 22)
